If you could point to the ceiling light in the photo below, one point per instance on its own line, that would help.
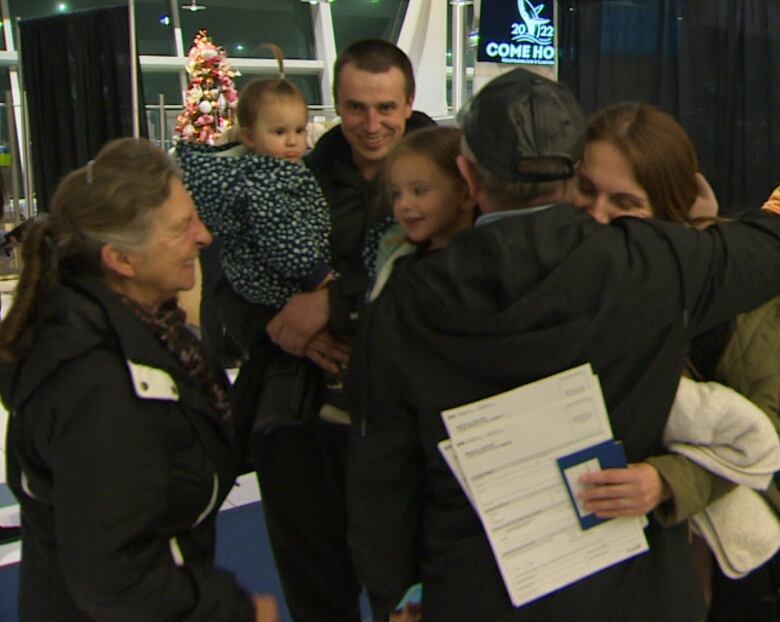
(193, 6)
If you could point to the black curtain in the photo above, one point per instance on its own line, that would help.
(76, 72)
(714, 65)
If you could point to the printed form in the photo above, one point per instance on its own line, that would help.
(503, 450)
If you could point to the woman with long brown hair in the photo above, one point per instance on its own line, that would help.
(639, 162)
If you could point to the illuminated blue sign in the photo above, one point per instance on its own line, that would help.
(516, 31)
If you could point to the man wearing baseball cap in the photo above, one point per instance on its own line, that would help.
(536, 288)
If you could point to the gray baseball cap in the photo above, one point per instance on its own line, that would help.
(523, 116)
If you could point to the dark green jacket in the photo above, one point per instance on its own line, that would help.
(750, 364)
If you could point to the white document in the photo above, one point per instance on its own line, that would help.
(504, 451)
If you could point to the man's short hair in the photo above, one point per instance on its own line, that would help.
(517, 194)
(522, 127)
(374, 56)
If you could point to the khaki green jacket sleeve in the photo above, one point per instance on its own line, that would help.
(692, 487)
(750, 362)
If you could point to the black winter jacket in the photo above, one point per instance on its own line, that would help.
(503, 305)
(120, 466)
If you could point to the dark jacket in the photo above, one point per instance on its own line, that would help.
(120, 466)
(355, 206)
(505, 304)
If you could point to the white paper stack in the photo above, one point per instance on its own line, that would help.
(504, 449)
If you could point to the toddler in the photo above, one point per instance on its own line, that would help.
(264, 205)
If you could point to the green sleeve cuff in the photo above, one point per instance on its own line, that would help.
(693, 488)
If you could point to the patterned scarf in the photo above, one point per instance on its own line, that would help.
(168, 325)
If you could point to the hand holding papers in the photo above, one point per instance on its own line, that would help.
(606, 455)
(504, 452)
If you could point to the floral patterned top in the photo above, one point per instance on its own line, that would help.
(269, 214)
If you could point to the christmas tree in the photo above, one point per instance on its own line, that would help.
(211, 100)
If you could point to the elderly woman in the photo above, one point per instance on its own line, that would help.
(120, 442)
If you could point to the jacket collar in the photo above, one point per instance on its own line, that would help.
(333, 151)
(79, 315)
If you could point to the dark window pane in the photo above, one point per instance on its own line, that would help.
(166, 84)
(367, 19)
(309, 85)
(245, 24)
(471, 49)
(243, 28)
(153, 34)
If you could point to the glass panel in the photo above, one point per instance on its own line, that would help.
(6, 149)
(9, 210)
(153, 31)
(469, 92)
(2, 34)
(246, 24)
(167, 84)
(367, 19)
(154, 27)
(309, 85)
(154, 114)
(471, 48)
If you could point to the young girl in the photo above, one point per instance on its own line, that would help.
(263, 204)
(429, 199)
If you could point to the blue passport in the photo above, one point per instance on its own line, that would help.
(606, 455)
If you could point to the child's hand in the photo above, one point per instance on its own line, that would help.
(773, 203)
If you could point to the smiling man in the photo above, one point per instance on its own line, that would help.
(374, 109)
(301, 470)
